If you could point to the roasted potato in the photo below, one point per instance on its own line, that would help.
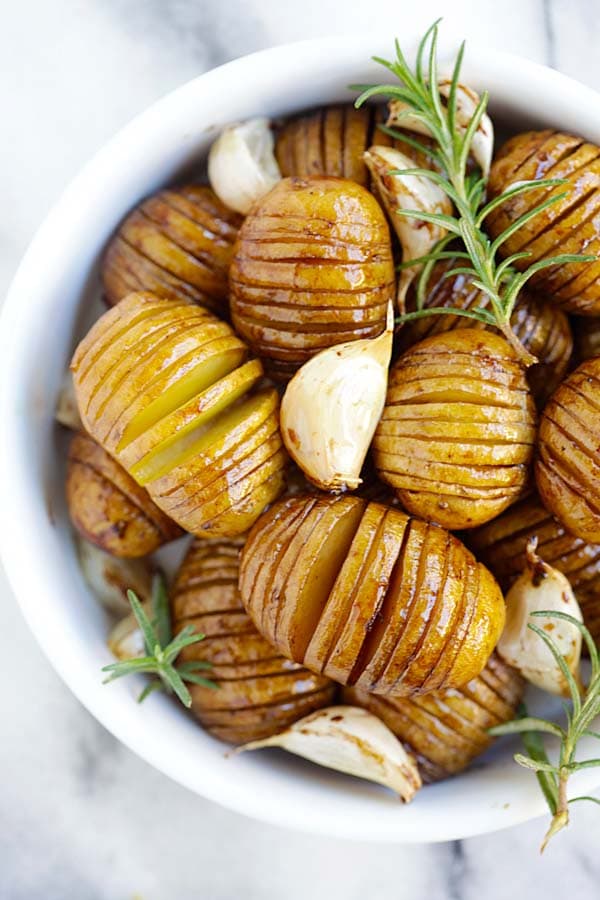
(586, 333)
(259, 692)
(456, 437)
(168, 390)
(364, 594)
(541, 326)
(567, 469)
(109, 508)
(177, 243)
(571, 225)
(447, 730)
(501, 545)
(312, 268)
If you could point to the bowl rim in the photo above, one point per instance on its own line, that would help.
(28, 293)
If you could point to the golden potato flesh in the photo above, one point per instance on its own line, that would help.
(447, 730)
(259, 692)
(364, 594)
(501, 544)
(541, 326)
(168, 390)
(312, 267)
(177, 243)
(571, 225)
(456, 437)
(567, 468)
(108, 507)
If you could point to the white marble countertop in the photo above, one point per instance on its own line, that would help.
(80, 816)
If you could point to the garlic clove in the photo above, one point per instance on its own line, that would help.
(67, 412)
(353, 741)
(331, 408)
(414, 192)
(241, 164)
(126, 640)
(110, 577)
(482, 144)
(539, 588)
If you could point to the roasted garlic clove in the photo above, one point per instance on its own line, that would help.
(350, 740)
(110, 577)
(331, 408)
(241, 164)
(126, 640)
(407, 192)
(66, 412)
(541, 588)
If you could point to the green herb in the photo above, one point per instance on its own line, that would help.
(585, 707)
(162, 650)
(419, 90)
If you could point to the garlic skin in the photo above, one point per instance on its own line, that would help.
(331, 408)
(541, 587)
(241, 164)
(110, 577)
(414, 192)
(482, 145)
(353, 741)
(67, 412)
(125, 640)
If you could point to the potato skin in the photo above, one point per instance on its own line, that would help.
(259, 692)
(457, 432)
(501, 544)
(540, 325)
(447, 730)
(168, 390)
(368, 596)
(567, 468)
(108, 508)
(312, 267)
(178, 243)
(571, 225)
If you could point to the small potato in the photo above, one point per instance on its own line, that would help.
(108, 508)
(177, 243)
(447, 730)
(259, 692)
(369, 597)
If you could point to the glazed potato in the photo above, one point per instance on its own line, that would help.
(312, 268)
(259, 693)
(169, 391)
(108, 508)
(364, 594)
(447, 730)
(567, 469)
(571, 225)
(541, 326)
(501, 545)
(457, 433)
(177, 243)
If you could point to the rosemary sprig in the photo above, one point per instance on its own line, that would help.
(585, 707)
(418, 89)
(162, 650)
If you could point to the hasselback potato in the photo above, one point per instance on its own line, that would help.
(567, 469)
(168, 390)
(446, 730)
(364, 594)
(312, 268)
(501, 546)
(586, 333)
(108, 507)
(259, 692)
(456, 437)
(542, 327)
(571, 225)
(177, 243)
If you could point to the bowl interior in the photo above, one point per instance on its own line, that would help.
(53, 297)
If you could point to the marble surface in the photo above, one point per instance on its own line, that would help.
(80, 816)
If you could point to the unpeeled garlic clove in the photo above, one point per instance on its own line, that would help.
(126, 640)
(350, 740)
(110, 577)
(482, 144)
(67, 412)
(241, 164)
(411, 192)
(539, 588)
(331, 408)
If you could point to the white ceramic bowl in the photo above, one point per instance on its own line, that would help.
(39, 326)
